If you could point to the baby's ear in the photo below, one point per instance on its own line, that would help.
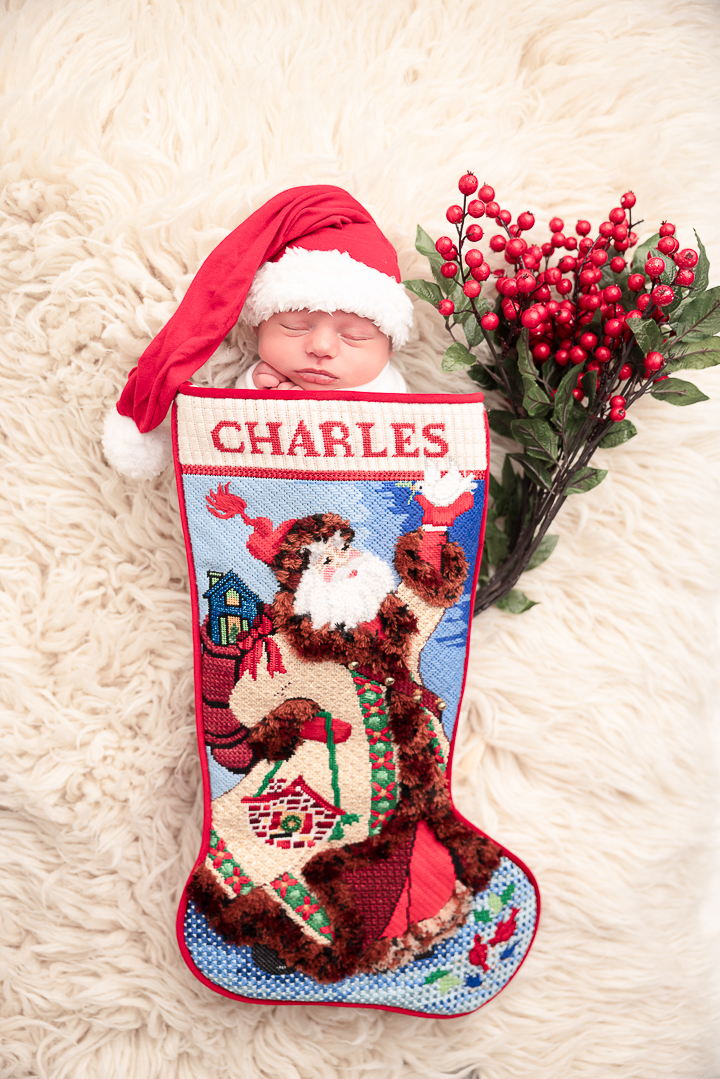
(137, 455)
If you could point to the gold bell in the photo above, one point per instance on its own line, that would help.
(389, 681)
(417, 697)
(353, 666)
(442, 705)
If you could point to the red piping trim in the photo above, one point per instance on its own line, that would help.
(189, 390)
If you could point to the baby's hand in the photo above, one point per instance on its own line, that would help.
(265, 377)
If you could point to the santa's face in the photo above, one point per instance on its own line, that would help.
(342, 585)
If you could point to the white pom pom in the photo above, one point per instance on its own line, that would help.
(140, 456)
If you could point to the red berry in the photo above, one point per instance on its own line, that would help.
(617, 265)
(547, 249)
(654, 361)
(567, 262)
(481, 272)
(593, 366)
(531, 318)
(564, 317)
(454, 214)
(585, 245)
(553, 307)
(606, 228)
(451, 254)
(687, 258)
(492, 209)
(476, 208)
(526, 221)
(473, 257)
(468, 183)
(497, 243)
(486, 193)
(613, 327)
(654, 266)
(570, 243)
(525, 281)
(577, 354)
(632, 238)
(535, 251)
(578, 394)
(515, 248)
(472, 288)
(543, 293)
(446, 307)
(507, 287)
(643, 301)
(633, 314)
(505, 216)
(474, 233)
(583, 227)
(598, 257)
(628, 200)
(617, 414)
(662, 295)
(564, 286)
(625, 372)
(556, 224)
(557, 239)
(510, 311)
(562, 356)
(592, 302)
(666, 229)
(618, 401)
(602, 354)
(668, 245)
(587, 340)
(636, 282)
(541, 352)
(617, 216)
(620, 232)
(612, 293)
(588, 276)
(443, 246)
(552, 275)
(685, 278)
(490, 321)
(449, 269)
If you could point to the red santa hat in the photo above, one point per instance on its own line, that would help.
(310, 247)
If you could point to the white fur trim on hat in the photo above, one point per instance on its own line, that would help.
(329, 281)
(140, 456)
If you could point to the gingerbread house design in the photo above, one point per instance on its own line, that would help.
(292, 815)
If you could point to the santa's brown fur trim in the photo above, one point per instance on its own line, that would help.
(277, 736)
(416, 573)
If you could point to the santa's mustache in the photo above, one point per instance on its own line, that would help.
(352, 595)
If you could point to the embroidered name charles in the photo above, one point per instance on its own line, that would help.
(331, 438)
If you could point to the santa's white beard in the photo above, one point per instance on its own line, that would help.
(354, 594)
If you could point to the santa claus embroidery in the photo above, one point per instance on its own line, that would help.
(339, 849)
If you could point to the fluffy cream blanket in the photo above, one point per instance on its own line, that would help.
(135, 134)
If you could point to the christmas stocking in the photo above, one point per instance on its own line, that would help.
(334, 543)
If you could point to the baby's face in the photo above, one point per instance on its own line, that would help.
(317, 350)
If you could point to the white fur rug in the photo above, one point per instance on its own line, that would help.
(134, 135)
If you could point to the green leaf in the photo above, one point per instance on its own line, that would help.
(478, 373)
(457, 358)
(508, 893)
(534, 469)
(642, 252)
(617, 434)
(500, 422)
(696, 355)
(494, 901)
(426, 246)
(585, 479)
(701, 316)
(564, 399)
(543, 551)
(472, 329)
(484, 574)
(647, 334)
(426, 290)
(677, 392)
(534, 398)
(496, 542)
(435, 976)
(507, 497)
(537, 436)
(482, 916)
(448, 286)
(589, 384)
(702, 270)
(515, 602)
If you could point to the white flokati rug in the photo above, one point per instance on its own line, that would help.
(134, 136)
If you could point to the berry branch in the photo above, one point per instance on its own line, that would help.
(569, 347)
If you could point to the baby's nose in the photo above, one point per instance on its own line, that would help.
(322, 342)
